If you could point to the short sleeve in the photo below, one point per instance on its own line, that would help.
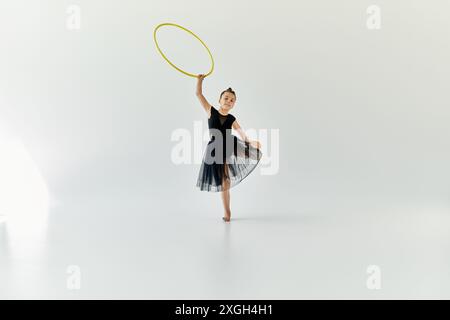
(213, 110)
(232, 118)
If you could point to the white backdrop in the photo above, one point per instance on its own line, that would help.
(362, 114)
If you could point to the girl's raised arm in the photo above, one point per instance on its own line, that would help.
(205, 104)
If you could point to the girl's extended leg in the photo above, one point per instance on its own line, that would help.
(226, 194)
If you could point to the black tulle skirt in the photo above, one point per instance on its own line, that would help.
(233, 166)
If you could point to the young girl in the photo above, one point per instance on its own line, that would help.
(227, 159)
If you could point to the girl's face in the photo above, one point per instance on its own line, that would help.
(227, 101)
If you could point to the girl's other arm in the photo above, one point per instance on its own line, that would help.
(235, 125)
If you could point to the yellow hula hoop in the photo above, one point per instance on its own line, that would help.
(189, 31)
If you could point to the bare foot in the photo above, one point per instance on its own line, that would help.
(227, 217)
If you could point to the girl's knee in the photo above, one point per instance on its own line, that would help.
(226, 183)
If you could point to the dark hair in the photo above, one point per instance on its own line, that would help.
(228, 90)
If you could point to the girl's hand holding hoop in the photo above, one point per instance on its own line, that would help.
(200, 78)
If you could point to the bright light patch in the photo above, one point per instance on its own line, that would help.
(24, 197)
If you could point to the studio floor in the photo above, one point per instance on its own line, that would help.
(99, 249)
